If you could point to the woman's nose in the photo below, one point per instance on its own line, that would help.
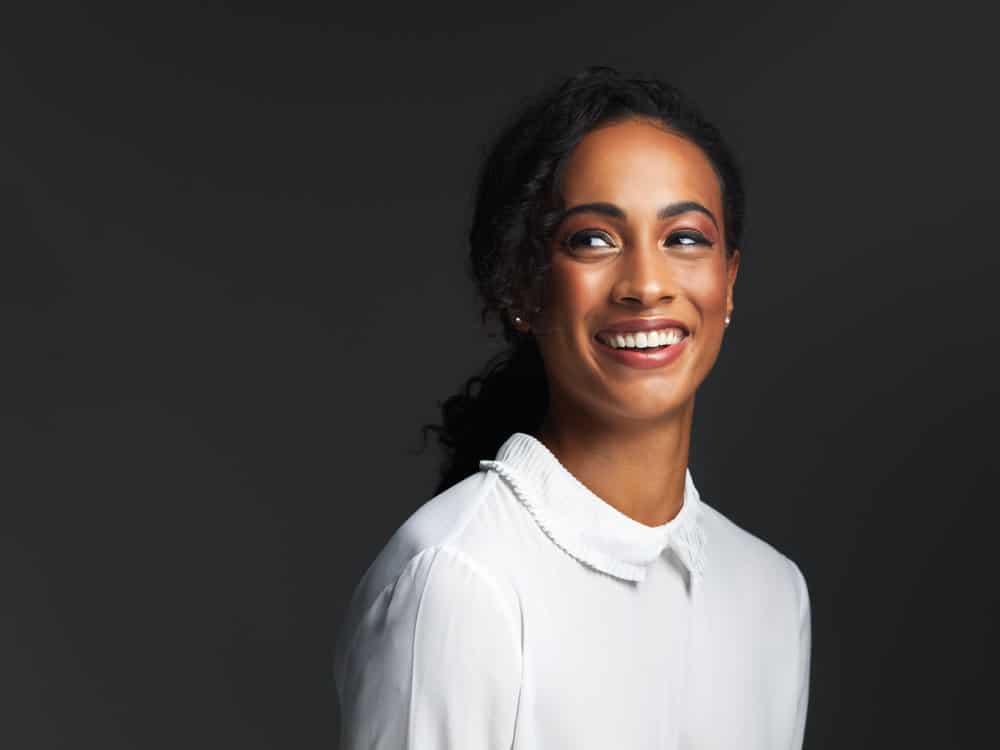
(645, 277)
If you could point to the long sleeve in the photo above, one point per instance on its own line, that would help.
(435, 661)
(804, 659)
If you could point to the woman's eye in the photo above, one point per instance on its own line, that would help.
(687, 239)
(590, 239)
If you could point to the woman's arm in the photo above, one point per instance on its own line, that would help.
(435, 663)
(805, 657)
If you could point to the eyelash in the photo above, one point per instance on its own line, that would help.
(574, 240)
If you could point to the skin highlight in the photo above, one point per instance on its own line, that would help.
(637, 239)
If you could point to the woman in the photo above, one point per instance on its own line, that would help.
(567, 588)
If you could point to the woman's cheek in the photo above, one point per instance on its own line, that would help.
(707, 288)
(578, 289)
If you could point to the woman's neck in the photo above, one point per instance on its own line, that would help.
(637, 469)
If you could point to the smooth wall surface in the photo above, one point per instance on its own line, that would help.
(233, 288)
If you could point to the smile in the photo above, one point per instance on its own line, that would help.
(643, 339)
(643, 350)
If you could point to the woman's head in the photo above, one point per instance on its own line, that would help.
(609, 200)
(662, 241)
(519, 200)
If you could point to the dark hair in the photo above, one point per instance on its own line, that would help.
(516, 206)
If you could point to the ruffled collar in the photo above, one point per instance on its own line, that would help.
(587, 527)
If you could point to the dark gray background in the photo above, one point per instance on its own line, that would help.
(233, 288)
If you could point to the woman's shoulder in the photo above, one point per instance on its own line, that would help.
(431, 538)
(438, 522)
(740, 556)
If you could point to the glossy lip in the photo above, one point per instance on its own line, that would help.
(644, 324)
(642, 359)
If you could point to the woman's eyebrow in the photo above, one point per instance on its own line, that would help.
(683, 207)
(611, 210)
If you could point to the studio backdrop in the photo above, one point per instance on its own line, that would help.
(234, 288)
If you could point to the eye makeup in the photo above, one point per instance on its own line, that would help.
(589, 239)
(596, 239)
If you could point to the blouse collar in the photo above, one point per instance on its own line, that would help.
(589, 528)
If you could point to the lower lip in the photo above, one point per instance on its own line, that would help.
(644, 359)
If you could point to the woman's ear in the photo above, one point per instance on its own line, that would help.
(732, 268)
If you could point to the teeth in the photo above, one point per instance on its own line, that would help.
(644, 339)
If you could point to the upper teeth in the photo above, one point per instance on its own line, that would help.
(643, 339)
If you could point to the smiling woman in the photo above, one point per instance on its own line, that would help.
(567, 587)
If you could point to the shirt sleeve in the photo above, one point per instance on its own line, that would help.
(804, 659)
(435, 663)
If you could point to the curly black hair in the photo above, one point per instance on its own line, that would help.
(516, 208)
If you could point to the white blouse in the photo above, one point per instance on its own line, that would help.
(518, 610)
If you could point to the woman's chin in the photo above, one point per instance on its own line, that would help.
(638, 410)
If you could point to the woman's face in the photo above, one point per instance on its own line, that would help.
(641, 240)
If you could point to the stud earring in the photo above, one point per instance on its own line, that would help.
(727, 320)
(517, 320)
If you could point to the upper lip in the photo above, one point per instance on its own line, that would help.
(643, 324)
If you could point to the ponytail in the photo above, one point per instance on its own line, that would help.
(509, 395)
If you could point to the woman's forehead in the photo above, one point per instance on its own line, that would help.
(637, 163)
